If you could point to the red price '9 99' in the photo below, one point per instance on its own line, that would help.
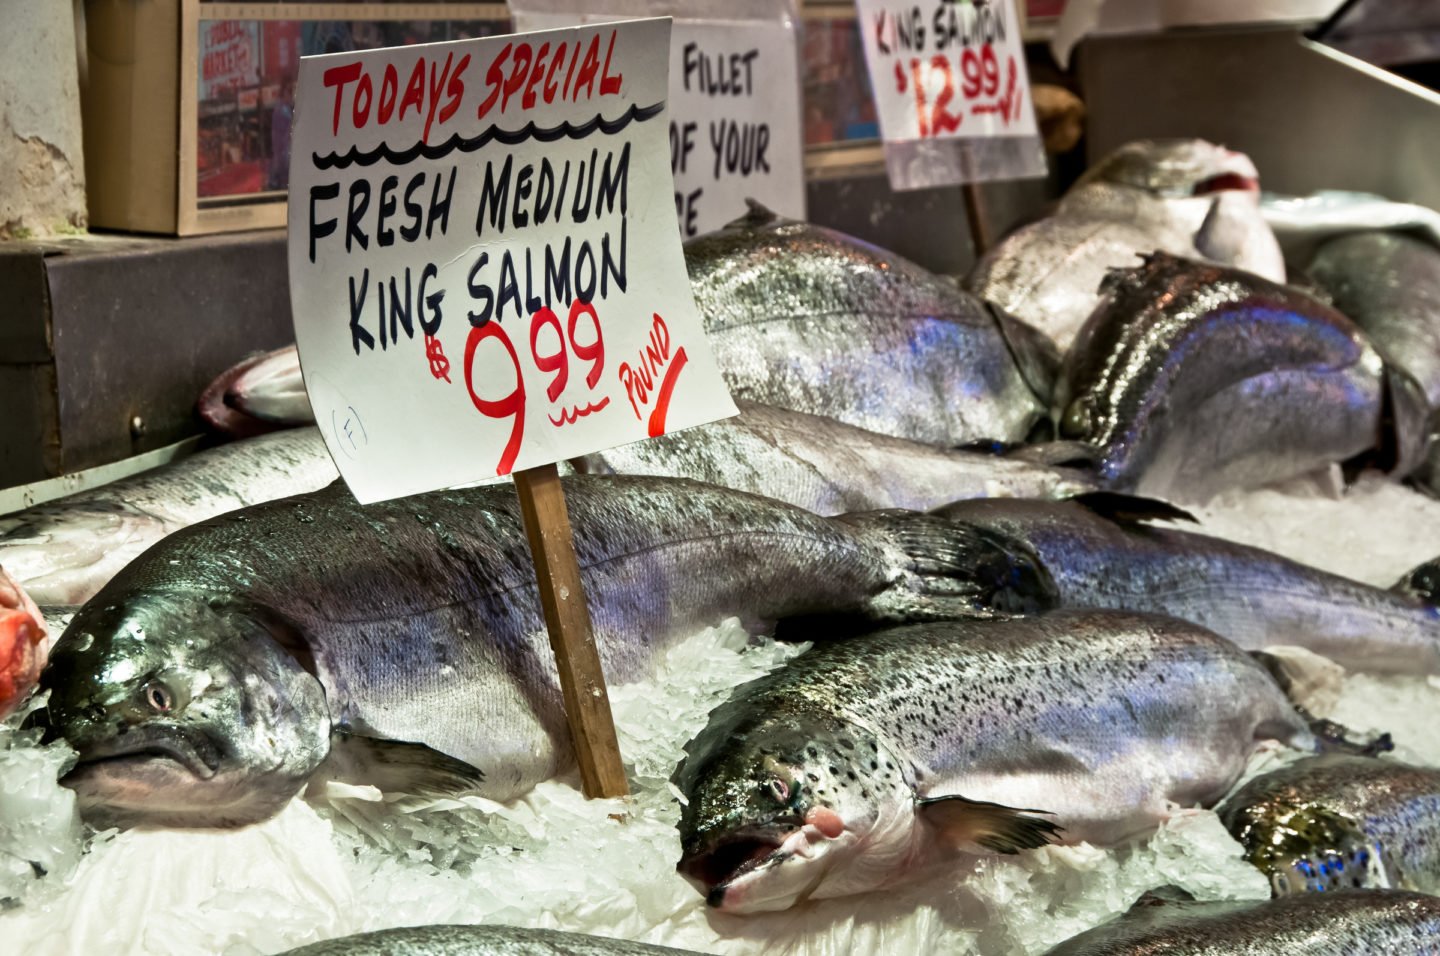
(589, 348)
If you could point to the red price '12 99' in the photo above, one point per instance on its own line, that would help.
(983, 88)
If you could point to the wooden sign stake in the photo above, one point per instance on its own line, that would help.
(975, 213)
(567, 619)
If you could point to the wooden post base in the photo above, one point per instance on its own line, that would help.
(567, 618)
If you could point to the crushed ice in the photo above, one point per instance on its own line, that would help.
(351, 860)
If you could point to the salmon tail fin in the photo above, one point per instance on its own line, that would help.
(1294, 674)
(1333, 738)
(1131, 509)
(1036, 355)
(997, 828)
(944, 570)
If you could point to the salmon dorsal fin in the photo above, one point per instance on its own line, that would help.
(757, 214)
(1163, 896)
(993, 826)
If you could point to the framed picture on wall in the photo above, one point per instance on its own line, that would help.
(195, 135)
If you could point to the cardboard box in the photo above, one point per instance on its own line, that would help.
(108, 341)
(186, 103)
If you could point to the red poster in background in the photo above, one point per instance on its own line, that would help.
(1035, 9)
(280, 41)
(229, 56)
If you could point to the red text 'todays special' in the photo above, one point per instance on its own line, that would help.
(565, 71)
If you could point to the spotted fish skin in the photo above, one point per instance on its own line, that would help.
(1341, 820)
(1344, 923)
(64, 551)
(805, 318)
(829, 467)
(1253, 597)
(480, 941)
(805, 783)
(1191, 378)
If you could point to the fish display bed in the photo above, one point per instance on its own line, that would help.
(348, 861)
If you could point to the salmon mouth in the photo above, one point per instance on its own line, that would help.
(715, 870)
(197, 756)
(1226, 181)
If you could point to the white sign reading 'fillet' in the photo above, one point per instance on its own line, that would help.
(735, 120)
(484, 267)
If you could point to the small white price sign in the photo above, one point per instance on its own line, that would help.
(950, 68)
(484, 266)
(951, 91)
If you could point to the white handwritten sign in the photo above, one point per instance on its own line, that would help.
(484, 268)
(949, 70)
(735, 127)
(736, 130)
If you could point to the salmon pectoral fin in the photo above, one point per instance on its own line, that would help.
(993, 826)
(396, 766)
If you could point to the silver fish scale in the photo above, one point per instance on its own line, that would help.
(1346, 923)
(1389, 284)
(1047, 710)
(64, 551)
(808, 319)
(1140, 198)
(423, 617)
(1166, 167)
(1253, 597)
(829, 467)
(1190, 378)
(1396, 805)
(480, 941)
(1051, 273)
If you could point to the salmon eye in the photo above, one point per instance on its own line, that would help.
(160, 698)
(1076, 421)
(779, 789)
